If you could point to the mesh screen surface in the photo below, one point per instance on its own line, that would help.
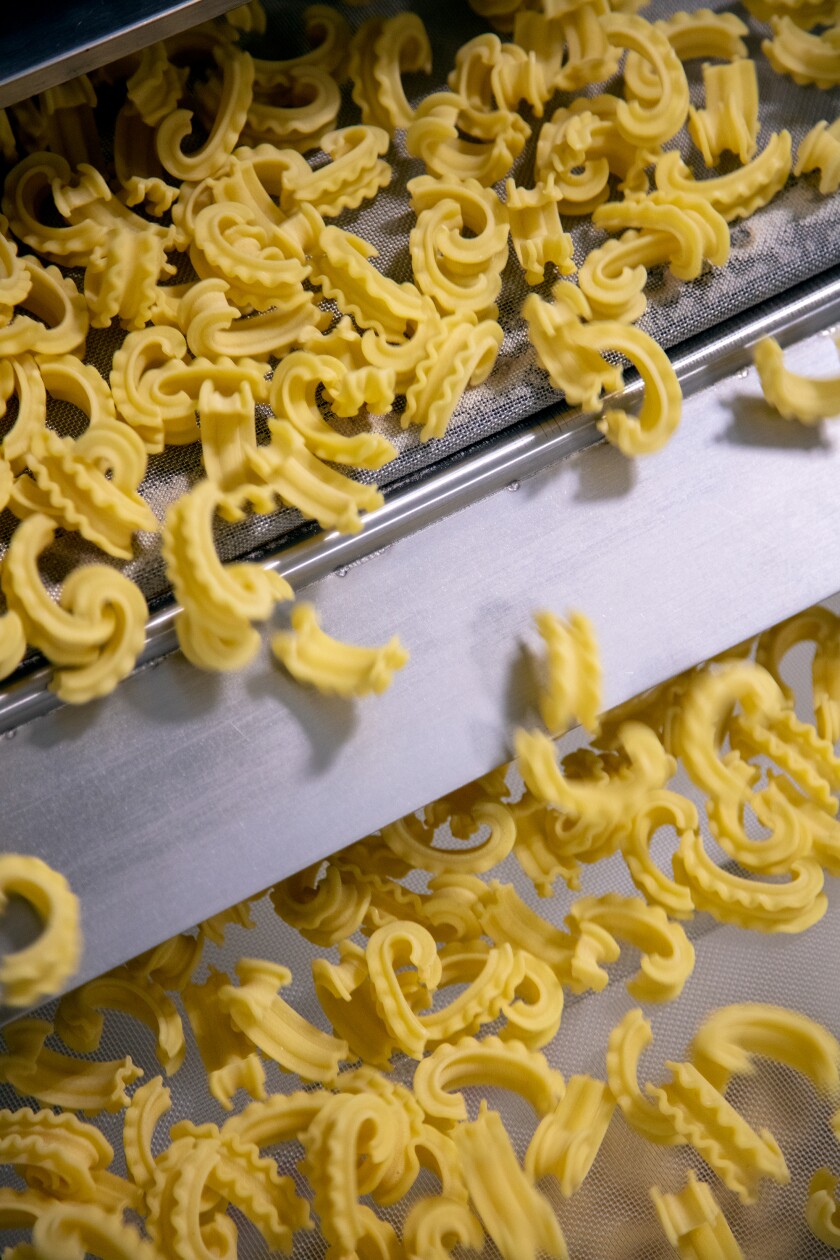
(611, 1216)
(794, 238)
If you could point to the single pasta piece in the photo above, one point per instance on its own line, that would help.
(729, 1039)
(61, 1080)
(820, 151)
(567, 1139)
(694, 1224)
(801, 398)
(822, 1211)
(335, 668)
(573, 689)
(729, 123)
(380, 51)
(39, 970)
(80, 1023)
(805, 57)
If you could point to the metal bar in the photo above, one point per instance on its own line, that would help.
(547, 438)
(45, 44)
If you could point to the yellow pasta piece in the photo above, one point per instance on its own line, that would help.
(760, 905)
(156, 85)
(219, 601)
(58, 1080)
(380, 52)
(457, 273)
(54, 299)
(287, 470)
(293, 397)
(490, 1063)
(72, 1231)
(172, 962)
(348, 999)
(136, 165)
(686, 228)
(740, 193)
(355, 174)
(805, 57)
(437, 1225)
(39, 970)
(214, 327)
(652, 124)
(820, 151)
(390, 947)
(574, 672)
(461, 352)
(325, 911)
(15, 280)
(660, 809)
(694, 1224)
(58, 1155)
(581, 146)
(702, 33)
(342, 269)
(349, 1145)
(535, 1014)
(796, 747)
(95, 632)
(795, 397)
(200, 1165)
(21, 377)
(148, 1105)
(79, 1021)
(729, 123)
(729, 1038)
(20, 1209)
(496, 139)
(667, 954)
(229, 1058)
(308, 103)
(821, 1209)
(488, 73)
(274, 1027)
(230, 243)
(706, 708)
(520, 1221)
(328, 35)
(690, 1110)
(567, 1139)
(413, 842)
(395, 1178)
(823, 627)
(648, 766)
(237, 69)
(332, 667)
(537, 233)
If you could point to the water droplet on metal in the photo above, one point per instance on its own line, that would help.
(744, 372)
(514, 485)
(9, 734)
(342, 570)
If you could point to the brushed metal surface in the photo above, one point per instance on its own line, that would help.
(183, 792)
(548, 437)
(45, 43)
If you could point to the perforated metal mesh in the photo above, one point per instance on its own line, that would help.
(611, 1217)
(794, 238)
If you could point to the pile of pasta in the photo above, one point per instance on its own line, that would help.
(460, 985)
(208, 165)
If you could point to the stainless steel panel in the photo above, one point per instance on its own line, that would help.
(45, 44)
(183, 793)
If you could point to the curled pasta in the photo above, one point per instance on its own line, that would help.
(693, 1222)
(661, 808)
(702, 33)
(95, 632)
(821, 1209)
(335, 668)
(274, 1027)
(491, 1062)
(740, 193)
(459, 273)
(823, 627)
(79, 1021)
(325, 911)
(39, 970)
(381, 50)
(237, 70)
(820, 151)
(573, 689)
(807, 58)
(521, 1222)
(214, 328)
(597, 923)
(729, 123)
(72, 1231)
(149, 1104)
(435, 1226)
(59, 1080)
(795, 397)
(460, 352)
(355, 173)
(229, 1058)
(639, 123)
(328, 35)
(488, 72)
(343, 270)
(496, 139)
(413, 842)
(567, 1139)
(729, 1038)
(54, 299)
(537, 233)
(219, 602)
